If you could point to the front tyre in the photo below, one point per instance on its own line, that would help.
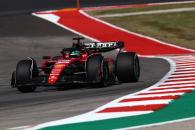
(127, 67)
(26, 70)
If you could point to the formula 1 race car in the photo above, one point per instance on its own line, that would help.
(82, 63)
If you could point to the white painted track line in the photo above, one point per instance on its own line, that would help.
(184, 72)
(181, 85)
(185, 68)
(178, 82)
(181, 78)
(165, 94)
(171, 89)
(137, 103)
(182, 75)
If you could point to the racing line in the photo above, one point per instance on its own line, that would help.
(179, 80)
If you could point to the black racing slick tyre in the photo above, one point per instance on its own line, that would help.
(26, 70)
(97, 71)
(127, 67)
(13, 80)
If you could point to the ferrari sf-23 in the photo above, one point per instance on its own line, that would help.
(82, 63)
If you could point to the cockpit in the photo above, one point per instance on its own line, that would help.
(71, 53)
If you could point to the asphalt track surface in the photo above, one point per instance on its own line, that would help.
(23, 35)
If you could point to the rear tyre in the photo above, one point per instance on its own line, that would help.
(13, 80)
(26, 70)
(127, 67)
(97, 71)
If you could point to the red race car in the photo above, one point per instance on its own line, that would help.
(83, 63)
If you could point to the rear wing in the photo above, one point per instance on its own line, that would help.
(103, 46)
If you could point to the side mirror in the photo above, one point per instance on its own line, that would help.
(46, 57)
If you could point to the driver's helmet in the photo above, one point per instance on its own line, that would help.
(75, 53)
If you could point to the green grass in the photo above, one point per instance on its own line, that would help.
(146, 8)
(174, 28)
